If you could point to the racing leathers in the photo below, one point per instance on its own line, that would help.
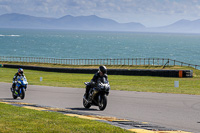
(16, 76)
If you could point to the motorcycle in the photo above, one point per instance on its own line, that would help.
(97, 96)
(21, 85)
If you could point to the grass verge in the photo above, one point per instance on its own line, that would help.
(117, 82)
(18, 119)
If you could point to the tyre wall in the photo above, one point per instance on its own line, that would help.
(135, 72)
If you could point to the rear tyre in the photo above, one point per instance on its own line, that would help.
(85, 102)
(13, 94)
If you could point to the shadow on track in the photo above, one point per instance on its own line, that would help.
(83, 109)
(7, 99)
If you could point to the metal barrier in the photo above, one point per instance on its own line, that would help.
(126, 61)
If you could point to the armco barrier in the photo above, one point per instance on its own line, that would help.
(135, 72)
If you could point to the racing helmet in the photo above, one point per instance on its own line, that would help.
(20, 71)
(103, 69)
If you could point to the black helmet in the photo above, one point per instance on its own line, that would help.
(103, 69)
(20, 70)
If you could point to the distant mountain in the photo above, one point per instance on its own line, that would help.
(23, 21)
(181, 26)
(92, 22)
(66, 22)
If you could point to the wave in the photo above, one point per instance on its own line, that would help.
(10, 35)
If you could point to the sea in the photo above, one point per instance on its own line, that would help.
(69, 44)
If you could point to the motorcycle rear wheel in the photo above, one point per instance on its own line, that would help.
(85, 102)
(13, 94)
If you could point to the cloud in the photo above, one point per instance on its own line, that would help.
(5, 8)
(113, 6)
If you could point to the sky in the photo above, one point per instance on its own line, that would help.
(151, 13)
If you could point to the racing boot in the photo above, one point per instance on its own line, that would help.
(11, 89)
(90, 97)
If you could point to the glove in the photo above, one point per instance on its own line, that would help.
(14, 82)
(92, 83)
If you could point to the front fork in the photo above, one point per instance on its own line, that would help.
(99, 100)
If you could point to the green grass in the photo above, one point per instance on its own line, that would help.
(19, 120)
(117, 82)
(16, 119)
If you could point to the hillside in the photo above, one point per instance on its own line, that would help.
(66, 22)
(92, 22)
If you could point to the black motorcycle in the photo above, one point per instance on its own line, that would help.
(97, 96)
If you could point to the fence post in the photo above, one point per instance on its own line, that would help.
(128, 61)
(136, 61)
(163, 62)
(168, 63)
(153, 61)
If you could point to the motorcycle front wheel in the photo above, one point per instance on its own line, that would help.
(22, 94)
(102, 102)
(85, 102)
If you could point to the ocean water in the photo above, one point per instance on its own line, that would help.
(99, 44)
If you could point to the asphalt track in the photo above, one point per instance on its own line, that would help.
(174, 111)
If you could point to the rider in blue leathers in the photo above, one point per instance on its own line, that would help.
(16, 76)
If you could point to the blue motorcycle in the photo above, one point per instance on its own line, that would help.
(19, 90)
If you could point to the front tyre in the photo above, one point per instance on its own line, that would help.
(102, 102)
(22, 94)
(86, 104)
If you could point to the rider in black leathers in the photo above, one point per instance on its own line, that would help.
(99, 76)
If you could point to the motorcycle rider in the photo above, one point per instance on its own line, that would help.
(99, 76)
(16, 76)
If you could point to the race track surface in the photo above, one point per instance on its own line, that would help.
(176, 111)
